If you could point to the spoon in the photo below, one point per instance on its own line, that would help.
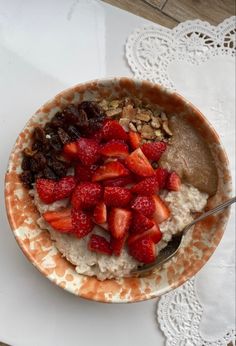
(174, 245)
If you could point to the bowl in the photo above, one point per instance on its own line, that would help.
(40, 249)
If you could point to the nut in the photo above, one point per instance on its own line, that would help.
(143, 116)
(163, 116)
(159, 134)
(124, 122)
(114, 104)
(104, 105)
(147, 132)
(166, 128)
(132, 127)
(139, 128)
(155, 123)
(129, 112)
(113, 112)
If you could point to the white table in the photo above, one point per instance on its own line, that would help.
(46, 46)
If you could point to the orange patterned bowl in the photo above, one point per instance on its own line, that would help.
(37, 244)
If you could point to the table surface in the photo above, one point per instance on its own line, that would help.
(168, 13)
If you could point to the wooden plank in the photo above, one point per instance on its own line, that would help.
(145, 10)
(156, 3)
(213, 11)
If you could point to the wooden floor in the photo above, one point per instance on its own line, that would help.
(171, 12)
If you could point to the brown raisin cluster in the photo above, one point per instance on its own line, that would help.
(44, 159)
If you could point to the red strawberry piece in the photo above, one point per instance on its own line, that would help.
(113, 130)
(134, 140)
(84, 173)
(64, 187)
(154, 150)
(144, 205)
(82, 223)
(140, 223)
(115, 148)
(99, 244)
(86, 195)
(143, 250)
(45, 189)
(117, 196)
(97, 135)
(146, 187)
(162, 212)
(110, 170)
(119, 222)
(162, 175)
(60, 220)
(173, 182)
(139, 164)
(120, 181)
(70, 149)
(118, 244)
(88, 151)
(100, 213)
(153, 233)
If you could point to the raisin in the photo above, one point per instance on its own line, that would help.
(63, 135)
(55, 143)
(92, 109)
(82, 119)
(25, 165)
(49, 174)
(73, 132)
(71, 115)
(49, 129)
(39, 135)
(27, 179)
(58, 167)
(57, 120)
(95, 124)
(40, 159)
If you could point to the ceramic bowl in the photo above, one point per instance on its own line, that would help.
(41, 251)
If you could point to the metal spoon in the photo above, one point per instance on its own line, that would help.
(174, 245)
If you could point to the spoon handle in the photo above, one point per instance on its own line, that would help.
(210, 212)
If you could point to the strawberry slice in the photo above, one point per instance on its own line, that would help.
(113, 130)
(117, 196)
(154, 150)
(71, 150)
(82, 223)
(87, 151)
(134, 140)
(144, 205)
(118, 244)
(115, 148)
(162, 175)
(45, 189)
(162, 212)
(173, 182)
(100, 245)
(60, 220)
(64, 187)
(139, 164)
(153, 233)
(120, 181)
(110, 170)
(143, 250)
(146, 187)
(86, 195)
(84, 173)
(140, 223)
(119, 222)
(100, 213)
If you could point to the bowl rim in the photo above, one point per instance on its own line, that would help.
(155, 293)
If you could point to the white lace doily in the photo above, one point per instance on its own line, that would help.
(156, 53)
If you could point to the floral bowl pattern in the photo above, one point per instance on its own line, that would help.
(40, 249)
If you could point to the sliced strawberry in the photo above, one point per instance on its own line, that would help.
(115, 148)
(146, 187)
(153, 233)
(113, 130)
(99, 244)
(118, 244)
(87, 151)
(117, 196)
(70, 149)
(154, 150)
(64, 187)
(173, 182)
(100, 213)
(86, 195)
(45, 189)
(162, 212)
(119, 222)
(139, 164)
(110, 170)
(143, 250)
(144, 205)
(82, 223)
(84, 173)
(140, 223)
(120, 181)
(134, 140)
(162, 175)
(59, 220)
